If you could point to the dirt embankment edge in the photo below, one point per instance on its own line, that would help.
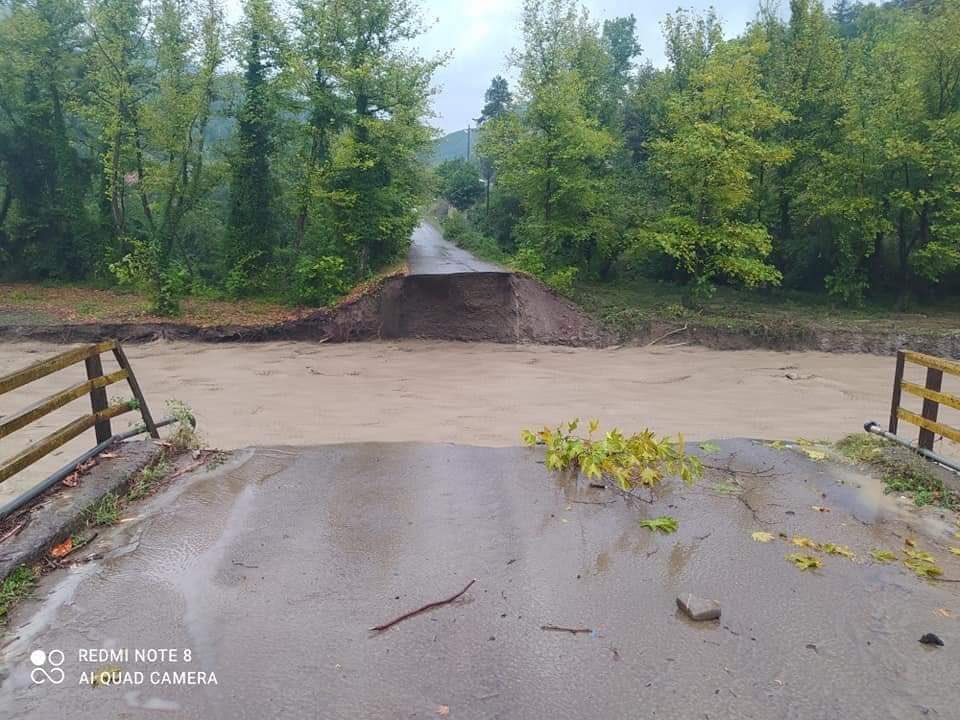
(495, 307)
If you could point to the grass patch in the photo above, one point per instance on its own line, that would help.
(900, 470)
(15, 587)
(106, 511)
(147, 479)
(627, 307)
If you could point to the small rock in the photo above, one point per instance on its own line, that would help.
(931, 639)
(698, 608)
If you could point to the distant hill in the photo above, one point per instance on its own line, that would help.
(453, 146)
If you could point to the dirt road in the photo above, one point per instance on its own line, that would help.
(476, 394)
(431, 254)
(270, 570)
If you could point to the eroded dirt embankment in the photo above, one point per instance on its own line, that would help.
(489, 306)
(497, 307)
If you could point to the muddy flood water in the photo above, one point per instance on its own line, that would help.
(476, 394)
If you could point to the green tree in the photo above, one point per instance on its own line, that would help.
(555, 155)
(706, 168)
(119, 78)
(497, 100)
(169, 145)
(252, 230)
(460, 182)
(375, 180)
(44, 226)
(803, 72)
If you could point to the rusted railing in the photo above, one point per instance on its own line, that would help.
(95, 386)
(932, 396)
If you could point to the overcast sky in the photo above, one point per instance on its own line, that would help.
(481, 33)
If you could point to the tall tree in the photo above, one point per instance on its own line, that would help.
(376, 179)
(252, 230)
(119, 79)
(497, 101)
(169, 143)
(707, 167)
(554, 155)
(44, 227)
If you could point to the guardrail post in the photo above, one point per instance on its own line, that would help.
(897, 379)
(121, 358)
(930, 407)
(98, 397)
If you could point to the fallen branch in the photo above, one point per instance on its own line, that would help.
(205, 456)
(665, 336)
(593, 502)
(428, 606)
(16, 529)
(572, 631)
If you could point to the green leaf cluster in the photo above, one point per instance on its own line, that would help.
(641, 459)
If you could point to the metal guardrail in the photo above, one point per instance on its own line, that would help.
(932, 395)
(95, 385)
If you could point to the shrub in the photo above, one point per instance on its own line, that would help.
(320, 280)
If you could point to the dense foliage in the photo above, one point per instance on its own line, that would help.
(149, 144)
(819, 151)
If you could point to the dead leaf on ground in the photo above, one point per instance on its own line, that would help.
(909, 542)
(819, 508)
(63, 549)
(815, 455)
(108, 455)
(955, 551)
(443, 710)
(72, 480)
(761, 536)
(806, 542)
(943, 612)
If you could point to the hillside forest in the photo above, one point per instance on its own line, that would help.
(817, 151)
(151, 145)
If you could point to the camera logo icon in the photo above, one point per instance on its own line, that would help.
(41, 659)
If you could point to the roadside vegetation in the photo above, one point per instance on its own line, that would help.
(16, 586)
(155, 148)
(808, 165)
(901, 471)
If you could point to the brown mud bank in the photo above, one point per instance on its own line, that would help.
(477, 306)
(499, 307)
(798, 336)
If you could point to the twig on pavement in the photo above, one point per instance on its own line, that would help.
(438, 603)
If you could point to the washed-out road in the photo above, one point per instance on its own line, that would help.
(431, 254)
(266, 574)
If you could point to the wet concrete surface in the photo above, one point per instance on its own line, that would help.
(431, 254)
(271, 569)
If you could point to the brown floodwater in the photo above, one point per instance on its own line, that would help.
(481, 394)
